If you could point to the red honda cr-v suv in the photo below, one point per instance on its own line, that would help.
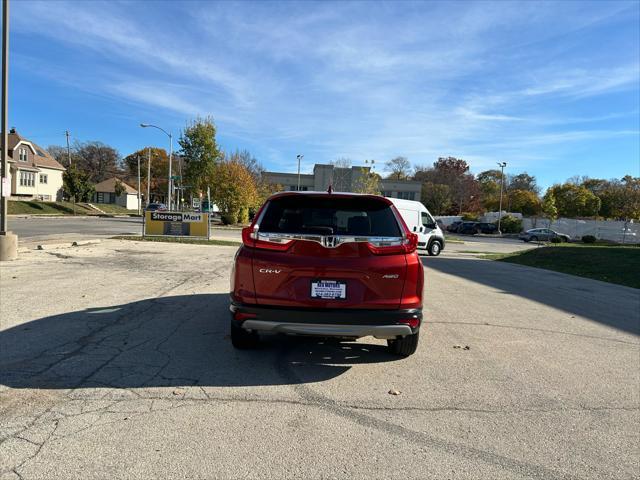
(330, 265)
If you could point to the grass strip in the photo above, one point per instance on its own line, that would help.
(32, 207)
(608, 263)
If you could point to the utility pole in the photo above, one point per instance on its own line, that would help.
(66, 133)
(149, 177)
(8, 241)
(299, 157)
(170, 174)
(501, 165)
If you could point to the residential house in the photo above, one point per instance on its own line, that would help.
(33, 173)
(106, 193)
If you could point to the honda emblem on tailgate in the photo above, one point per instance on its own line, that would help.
(330, 242)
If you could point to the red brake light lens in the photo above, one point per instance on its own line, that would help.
(246, 236)
(412, 322)
(242, 316)
(251, 238)
(409, 244)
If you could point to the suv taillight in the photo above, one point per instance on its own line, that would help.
(409, 244)
(251, 239)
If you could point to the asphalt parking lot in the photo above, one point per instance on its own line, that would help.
(115, 362)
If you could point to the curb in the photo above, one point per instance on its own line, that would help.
(97, 215)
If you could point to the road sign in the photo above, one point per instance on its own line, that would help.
(195, 203)
(176, 177)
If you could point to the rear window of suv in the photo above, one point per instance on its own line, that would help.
(323, 215)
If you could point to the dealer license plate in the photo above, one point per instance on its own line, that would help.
(329, 289)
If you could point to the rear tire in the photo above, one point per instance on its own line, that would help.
(404, 346)
(242, 339)
(534, 239)
(434, 248)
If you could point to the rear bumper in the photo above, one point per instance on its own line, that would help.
(353, 323)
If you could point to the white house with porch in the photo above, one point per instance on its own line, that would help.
(33, 173)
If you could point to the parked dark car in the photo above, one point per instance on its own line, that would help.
(469, 228)
(542, 235)
(486, 227)
(453, 228)
(152, 207)
(328, 264)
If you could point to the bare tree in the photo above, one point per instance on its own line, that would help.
(400, 168)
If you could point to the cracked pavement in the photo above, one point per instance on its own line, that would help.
(115, 362)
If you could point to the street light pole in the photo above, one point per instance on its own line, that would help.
(170, 186)
(149, 178)
(299, 157)
(501, 165)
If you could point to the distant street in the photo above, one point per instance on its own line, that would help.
(33, 230)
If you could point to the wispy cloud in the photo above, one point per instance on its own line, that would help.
(363, 80)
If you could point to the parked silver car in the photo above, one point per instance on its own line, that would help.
(542, 235)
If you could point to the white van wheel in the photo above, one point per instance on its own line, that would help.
(435, 248)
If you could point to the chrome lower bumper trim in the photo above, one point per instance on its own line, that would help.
(377, 331)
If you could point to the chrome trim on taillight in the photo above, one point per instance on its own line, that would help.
(328, 241)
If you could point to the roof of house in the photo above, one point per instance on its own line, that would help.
(41, 157)
(109, 185)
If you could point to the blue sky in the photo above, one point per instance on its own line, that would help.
(552, 88)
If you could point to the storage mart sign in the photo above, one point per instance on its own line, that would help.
(176, 224)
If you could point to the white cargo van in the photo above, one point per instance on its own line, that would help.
(420, 221)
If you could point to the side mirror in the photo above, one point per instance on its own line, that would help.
(432, 225)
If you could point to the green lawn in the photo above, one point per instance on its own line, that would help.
(115, 209)
(46, 208)
(194, 241)
(609, 263)
(451, 239)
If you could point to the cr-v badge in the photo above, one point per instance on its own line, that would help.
(268, 270)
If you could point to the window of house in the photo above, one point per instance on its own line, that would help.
(27, 179)
(22, 154)
(100, 197)
(44, 178)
